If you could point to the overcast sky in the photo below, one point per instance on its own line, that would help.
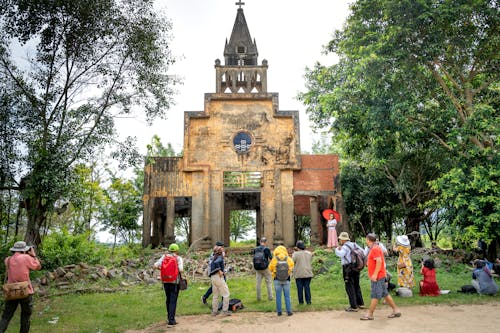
(289, 35)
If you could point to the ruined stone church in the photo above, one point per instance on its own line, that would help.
(241, 152)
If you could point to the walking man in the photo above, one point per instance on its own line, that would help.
(377, 274)
(18, 267)
(351, 276)
(171, 285)
(261, 257)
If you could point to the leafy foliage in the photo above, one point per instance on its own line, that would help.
(241, 222)
(62, 248)
(413, 97)
(88, 63)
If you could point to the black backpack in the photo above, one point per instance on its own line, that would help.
(358, 258)
(260, 261)
(235, 304)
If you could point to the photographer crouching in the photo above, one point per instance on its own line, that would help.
(18, 266)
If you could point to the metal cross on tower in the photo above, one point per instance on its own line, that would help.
(239, 3)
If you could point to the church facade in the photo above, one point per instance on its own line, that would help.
(240, 153)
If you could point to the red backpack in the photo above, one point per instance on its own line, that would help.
(169, 270)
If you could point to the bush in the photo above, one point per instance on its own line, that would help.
(62, 248)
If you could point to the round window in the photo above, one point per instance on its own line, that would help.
(242, 142)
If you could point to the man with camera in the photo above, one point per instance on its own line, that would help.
(18, 266)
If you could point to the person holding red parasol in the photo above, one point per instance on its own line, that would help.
(332, 217)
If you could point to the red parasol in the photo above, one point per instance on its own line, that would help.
(326, 214)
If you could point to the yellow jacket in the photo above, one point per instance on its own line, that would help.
(281, 253)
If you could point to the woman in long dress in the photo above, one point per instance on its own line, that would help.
(331, 224)
(404, 266)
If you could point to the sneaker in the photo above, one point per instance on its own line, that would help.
(203, 300)
(227, 313)
(279, 313)
(289, 314)
(215, 313)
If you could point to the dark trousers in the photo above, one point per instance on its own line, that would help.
(10, 308)
(171, 293)
(208, 293)
(351, 280)
(303, 289)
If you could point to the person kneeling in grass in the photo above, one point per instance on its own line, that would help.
(377, 274)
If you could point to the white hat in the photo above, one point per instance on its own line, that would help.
(20, 247)
(403, 240)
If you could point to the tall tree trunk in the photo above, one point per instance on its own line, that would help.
(37, 214)
(413, 229)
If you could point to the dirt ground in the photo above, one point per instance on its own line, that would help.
(414, 319)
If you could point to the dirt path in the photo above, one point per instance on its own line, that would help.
(414, 319)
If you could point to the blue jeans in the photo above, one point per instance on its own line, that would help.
(278, 288)
(303, 289)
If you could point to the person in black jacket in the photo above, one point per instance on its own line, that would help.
(219, 285)
(262, 256)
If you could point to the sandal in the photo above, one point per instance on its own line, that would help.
(366, 317)
(394, 315)
(349, 309)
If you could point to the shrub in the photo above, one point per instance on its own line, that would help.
(62, 248)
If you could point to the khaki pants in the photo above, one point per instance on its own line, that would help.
(266, 274)
(219, 288)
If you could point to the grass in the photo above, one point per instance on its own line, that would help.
(141, 306)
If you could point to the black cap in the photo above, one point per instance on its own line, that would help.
(219, 243)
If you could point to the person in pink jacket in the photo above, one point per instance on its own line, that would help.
(19, 264)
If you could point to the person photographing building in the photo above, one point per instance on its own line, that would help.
(18, 267)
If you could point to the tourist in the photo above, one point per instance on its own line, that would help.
(404, 265)
(261, 257)
(302, 272)
(331, 225)
(18, 266)
(207, 294)
(377, 273)
(428, 286)
(219, 284)
(350, 276)
(171, 288)
(281, 267)
(482, 279)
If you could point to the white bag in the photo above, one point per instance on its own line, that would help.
(404, 292)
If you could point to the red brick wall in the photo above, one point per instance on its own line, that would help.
(317, 174)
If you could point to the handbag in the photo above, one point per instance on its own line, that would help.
(183, 283)
(15, 290)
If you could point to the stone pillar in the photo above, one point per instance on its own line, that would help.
(169, 231)
(316, 229)
(278, 218)
(287, 209)
(146, 221)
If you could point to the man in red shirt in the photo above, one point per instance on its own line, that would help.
(377, 273)
(18, 266)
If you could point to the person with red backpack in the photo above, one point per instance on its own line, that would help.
(170, 266)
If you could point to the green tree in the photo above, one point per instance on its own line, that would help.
(88, 63)
(416, 89)
(121, 210)
(241, 222)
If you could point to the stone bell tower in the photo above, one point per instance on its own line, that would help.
(240, 153)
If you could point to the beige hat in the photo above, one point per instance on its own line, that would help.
(344, 236)
(20, 247)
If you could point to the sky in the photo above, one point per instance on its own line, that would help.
(289, 34)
